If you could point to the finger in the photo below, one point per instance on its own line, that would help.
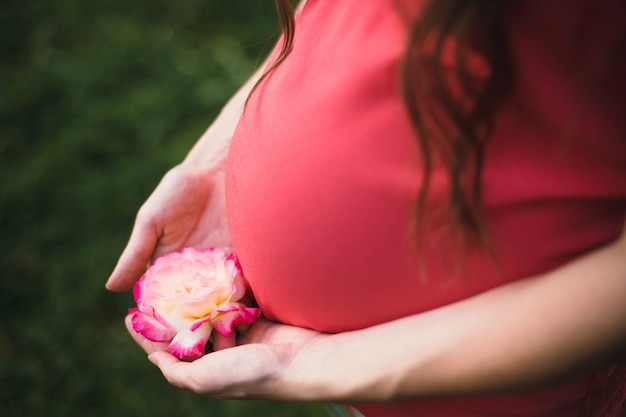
(233, 373)
(242, 328)
(259, 332)
(223, 342)
(135, 257)
(176, 372)
(147, 345)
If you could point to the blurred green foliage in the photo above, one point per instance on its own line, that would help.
(97, 100)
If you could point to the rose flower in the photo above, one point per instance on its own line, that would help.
(184, 295)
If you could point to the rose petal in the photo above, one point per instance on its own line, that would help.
(188, 344)
(237, 277)
(198, 323)
(158, 317)
(184, 294)
(138, 289)
(225, 320)
(151, 329)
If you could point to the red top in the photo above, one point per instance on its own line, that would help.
(324, 169)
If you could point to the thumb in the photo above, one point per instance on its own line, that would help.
(162, 359)
(134, 259)
(174, 370)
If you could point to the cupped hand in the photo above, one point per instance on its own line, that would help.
(252, 369)
(185, 210)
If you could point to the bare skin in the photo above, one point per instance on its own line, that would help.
(510, 338)
(461, 348)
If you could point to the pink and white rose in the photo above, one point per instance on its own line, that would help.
(184, 295)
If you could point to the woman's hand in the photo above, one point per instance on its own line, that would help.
(523, 335)
(186, 209)
(250, 370)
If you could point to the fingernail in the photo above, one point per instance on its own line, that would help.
(108, 284)
(154, 360)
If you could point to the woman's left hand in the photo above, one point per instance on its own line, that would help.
(251, 369)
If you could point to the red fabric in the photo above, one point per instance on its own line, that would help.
(606, 394)
(324, 169)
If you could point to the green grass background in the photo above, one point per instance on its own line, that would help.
(97, 100)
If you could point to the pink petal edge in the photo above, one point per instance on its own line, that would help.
(189, 345)
(198, 323)
(151, 329)
(224, 322)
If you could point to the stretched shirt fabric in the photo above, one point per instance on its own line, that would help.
(324, 169)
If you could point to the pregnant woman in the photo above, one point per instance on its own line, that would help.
(427, 199)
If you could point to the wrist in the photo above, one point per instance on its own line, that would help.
(335, 368)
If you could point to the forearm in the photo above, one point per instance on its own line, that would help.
(211, 149)
(522, 335)
(213, 144)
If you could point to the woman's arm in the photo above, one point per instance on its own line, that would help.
(211, 149)
(187, 207)
(522, 335)
(214, 143)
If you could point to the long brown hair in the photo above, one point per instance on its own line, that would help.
(455, 134)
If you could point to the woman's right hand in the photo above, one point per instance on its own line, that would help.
(185, 210)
